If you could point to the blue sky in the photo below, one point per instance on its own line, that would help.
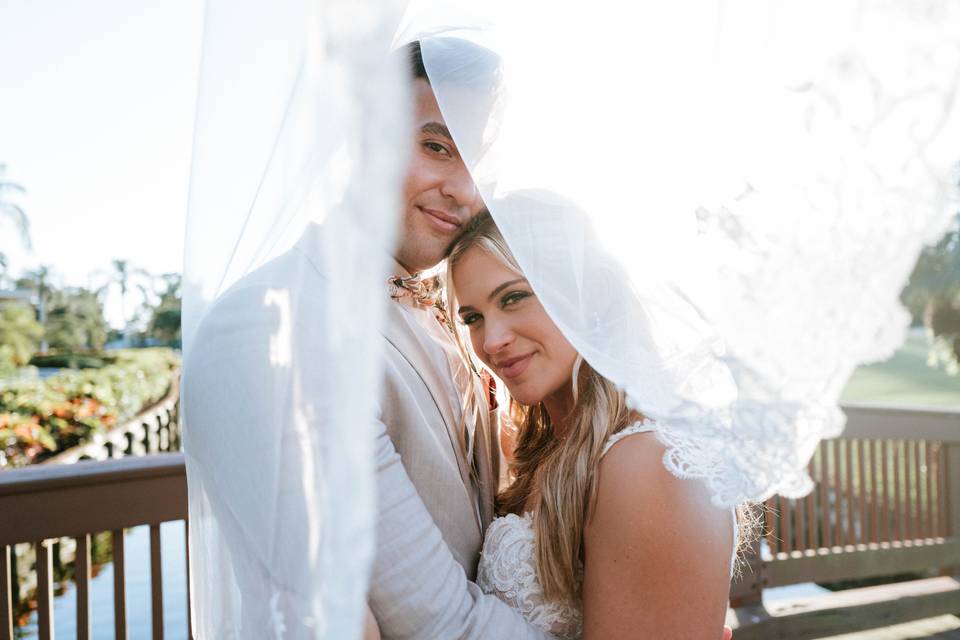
(96, 120)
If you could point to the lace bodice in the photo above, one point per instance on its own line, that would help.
(508, 567)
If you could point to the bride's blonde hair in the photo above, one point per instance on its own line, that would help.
(559, 474)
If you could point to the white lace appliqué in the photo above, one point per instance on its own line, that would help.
(508, 570)
(508, 567)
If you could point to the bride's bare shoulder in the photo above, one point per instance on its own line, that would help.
(632, 478)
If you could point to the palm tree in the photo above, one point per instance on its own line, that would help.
(12, 211)
(124, 276)
(38, 281)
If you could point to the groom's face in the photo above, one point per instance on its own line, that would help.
(439, 195)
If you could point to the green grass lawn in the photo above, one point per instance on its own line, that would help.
(904, 379)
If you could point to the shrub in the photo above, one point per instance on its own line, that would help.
(39, 418)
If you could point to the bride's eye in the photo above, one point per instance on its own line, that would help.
(513, 297)
(470, 318)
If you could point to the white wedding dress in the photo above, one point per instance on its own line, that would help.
(508, 566)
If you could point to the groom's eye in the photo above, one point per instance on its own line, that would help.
(436, 147)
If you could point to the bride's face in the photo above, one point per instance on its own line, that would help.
(439, 194)
(511, 332)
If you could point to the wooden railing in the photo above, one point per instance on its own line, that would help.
(154, 430)
(43, 503)
(885, 504)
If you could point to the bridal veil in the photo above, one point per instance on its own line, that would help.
(718, 203)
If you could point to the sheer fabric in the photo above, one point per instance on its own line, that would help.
(717, 202)
(301, 137)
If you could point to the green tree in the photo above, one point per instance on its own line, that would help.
(39, 281)
(14, 213)
(933, 296)
(75, 320)
(20, 335)
(164, 324)
(124, 276)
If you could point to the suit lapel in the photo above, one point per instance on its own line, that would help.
(398, 333)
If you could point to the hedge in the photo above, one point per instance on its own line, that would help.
(40, 418)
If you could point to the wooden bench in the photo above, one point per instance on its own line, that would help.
(885, 505)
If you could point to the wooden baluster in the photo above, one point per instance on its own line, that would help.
(7, 558)
(837, 484)
(933, 489)
(772, 520)
(799, 523)
(186, 533)
(811, 513)
(119, 587)
(910, 486)
(872, 457)
(848, 490)
(928, 449)
(944, 492)
(824, 495)
(786, 536)
(82, 578)
(897, 490)
(862, 489)
(923, 512)
(44, 550)
(156, 582)
(885, 455)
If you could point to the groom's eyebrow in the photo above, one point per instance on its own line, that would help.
(436, 129)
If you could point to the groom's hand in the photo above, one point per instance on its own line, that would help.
(727, 633)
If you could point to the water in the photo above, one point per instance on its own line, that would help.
(137, 574)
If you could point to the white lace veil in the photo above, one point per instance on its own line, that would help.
(301, 137)
(717, 202)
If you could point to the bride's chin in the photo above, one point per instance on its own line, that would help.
(526, 399)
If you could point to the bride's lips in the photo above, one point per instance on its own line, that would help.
(440, 220)
(513, 367)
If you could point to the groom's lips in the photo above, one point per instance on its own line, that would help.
(441, 220)
(513, 367)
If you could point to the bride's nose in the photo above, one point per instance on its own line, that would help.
(497, 336)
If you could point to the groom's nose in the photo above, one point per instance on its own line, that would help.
(458, 186)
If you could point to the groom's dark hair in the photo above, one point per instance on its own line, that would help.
(415, 61)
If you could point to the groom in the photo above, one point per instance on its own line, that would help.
(438, 462)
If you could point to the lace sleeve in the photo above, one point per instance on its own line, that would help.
(641, 426)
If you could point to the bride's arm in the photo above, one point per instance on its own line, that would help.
(656, 551)
(371, 630)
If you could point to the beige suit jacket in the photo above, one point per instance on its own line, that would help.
(422, 425)
(428, 537)
(457, 494)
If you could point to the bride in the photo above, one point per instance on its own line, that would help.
(595, 538)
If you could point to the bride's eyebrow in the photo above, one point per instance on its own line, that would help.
(504, 286)
(492, 295)
(437, 129)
